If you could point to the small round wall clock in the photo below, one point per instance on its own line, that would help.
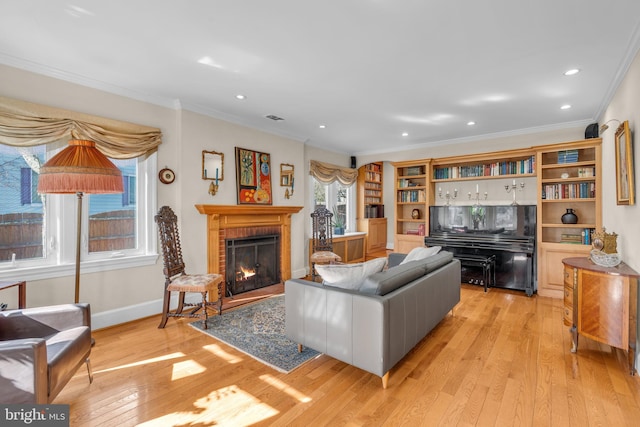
(166, 176)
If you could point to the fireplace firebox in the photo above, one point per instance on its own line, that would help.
(252, 263)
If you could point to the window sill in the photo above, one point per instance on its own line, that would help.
(50, 271)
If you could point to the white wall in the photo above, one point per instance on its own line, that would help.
(623, 220)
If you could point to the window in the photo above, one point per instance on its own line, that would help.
(38, 232)
(337, 198)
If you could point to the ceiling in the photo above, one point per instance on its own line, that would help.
(368, 70)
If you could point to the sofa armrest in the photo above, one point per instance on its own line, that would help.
(23, 371)
(43, 321)
(396, 259)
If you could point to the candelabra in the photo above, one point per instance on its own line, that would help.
(448, 195)
(513, 188)
(477, 197)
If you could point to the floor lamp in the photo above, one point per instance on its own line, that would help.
(80, 168)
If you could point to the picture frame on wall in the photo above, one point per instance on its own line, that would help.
(625, 185)
(253, 177)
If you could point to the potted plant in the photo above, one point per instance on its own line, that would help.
(338, 222)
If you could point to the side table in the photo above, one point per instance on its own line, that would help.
(22, 290)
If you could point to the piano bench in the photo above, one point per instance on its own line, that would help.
(487, 263)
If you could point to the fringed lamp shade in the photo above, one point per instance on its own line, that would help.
(80, 168)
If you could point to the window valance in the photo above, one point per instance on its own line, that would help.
(24, 124)
(328, 173)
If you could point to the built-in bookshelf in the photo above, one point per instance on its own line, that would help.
(412, 200)
(370, 206)
(569, 178)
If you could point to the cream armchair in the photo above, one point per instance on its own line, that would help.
(41, 349)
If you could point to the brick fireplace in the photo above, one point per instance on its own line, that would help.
(233, 221)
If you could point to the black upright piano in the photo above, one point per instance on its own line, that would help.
(506, 232)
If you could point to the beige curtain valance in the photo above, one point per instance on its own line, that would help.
(328, 173)
(23, 124)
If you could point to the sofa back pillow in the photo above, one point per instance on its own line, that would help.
(349, 276)
(421, 252)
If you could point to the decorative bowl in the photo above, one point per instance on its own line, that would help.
(604, 259)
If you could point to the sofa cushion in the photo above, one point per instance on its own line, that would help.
(395, 277)
(437, 261)
(349, 276)
(421, 253)
(386, 281)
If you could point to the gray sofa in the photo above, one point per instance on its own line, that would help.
(375, 326)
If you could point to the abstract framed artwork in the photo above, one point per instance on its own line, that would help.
(625, 191)
(253, 176)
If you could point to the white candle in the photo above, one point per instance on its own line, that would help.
(477, 189)
(514, 182)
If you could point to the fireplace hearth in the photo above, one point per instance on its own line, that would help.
(252, 263)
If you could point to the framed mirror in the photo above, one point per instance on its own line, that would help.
(213, 165)
(625, 192)
(286, 175)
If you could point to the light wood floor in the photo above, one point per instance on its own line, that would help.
(502, 359)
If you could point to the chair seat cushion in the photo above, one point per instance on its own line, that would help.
(325, 256)
(195, 283)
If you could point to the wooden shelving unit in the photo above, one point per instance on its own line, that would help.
(370, 206)
(569, 177)
(412, 194)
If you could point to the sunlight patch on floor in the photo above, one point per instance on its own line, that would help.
(143, 362)
(276, 383)
(228, 406)
(218, 351)
(185, 369)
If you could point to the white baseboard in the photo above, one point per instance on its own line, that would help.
(298, 274)
(125, 314)
(105, 319)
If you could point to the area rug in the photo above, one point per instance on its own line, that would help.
(258, 330)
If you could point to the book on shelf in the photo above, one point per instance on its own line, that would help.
(567, 156)
(507, 167)
(413, 232)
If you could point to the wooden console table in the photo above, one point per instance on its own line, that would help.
(22, 290)
(601, 303)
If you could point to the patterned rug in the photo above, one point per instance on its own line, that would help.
(258, 330)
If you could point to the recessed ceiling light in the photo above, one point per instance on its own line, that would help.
(572, 72)
(240, 97)
(405, 133)
(565, 107)
(322, 126)
(471, 123)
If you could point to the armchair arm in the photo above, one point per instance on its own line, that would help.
(23, 371)
(59, 317)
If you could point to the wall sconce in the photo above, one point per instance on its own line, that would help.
(605, 126)
(213, 169)
(287, 178)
